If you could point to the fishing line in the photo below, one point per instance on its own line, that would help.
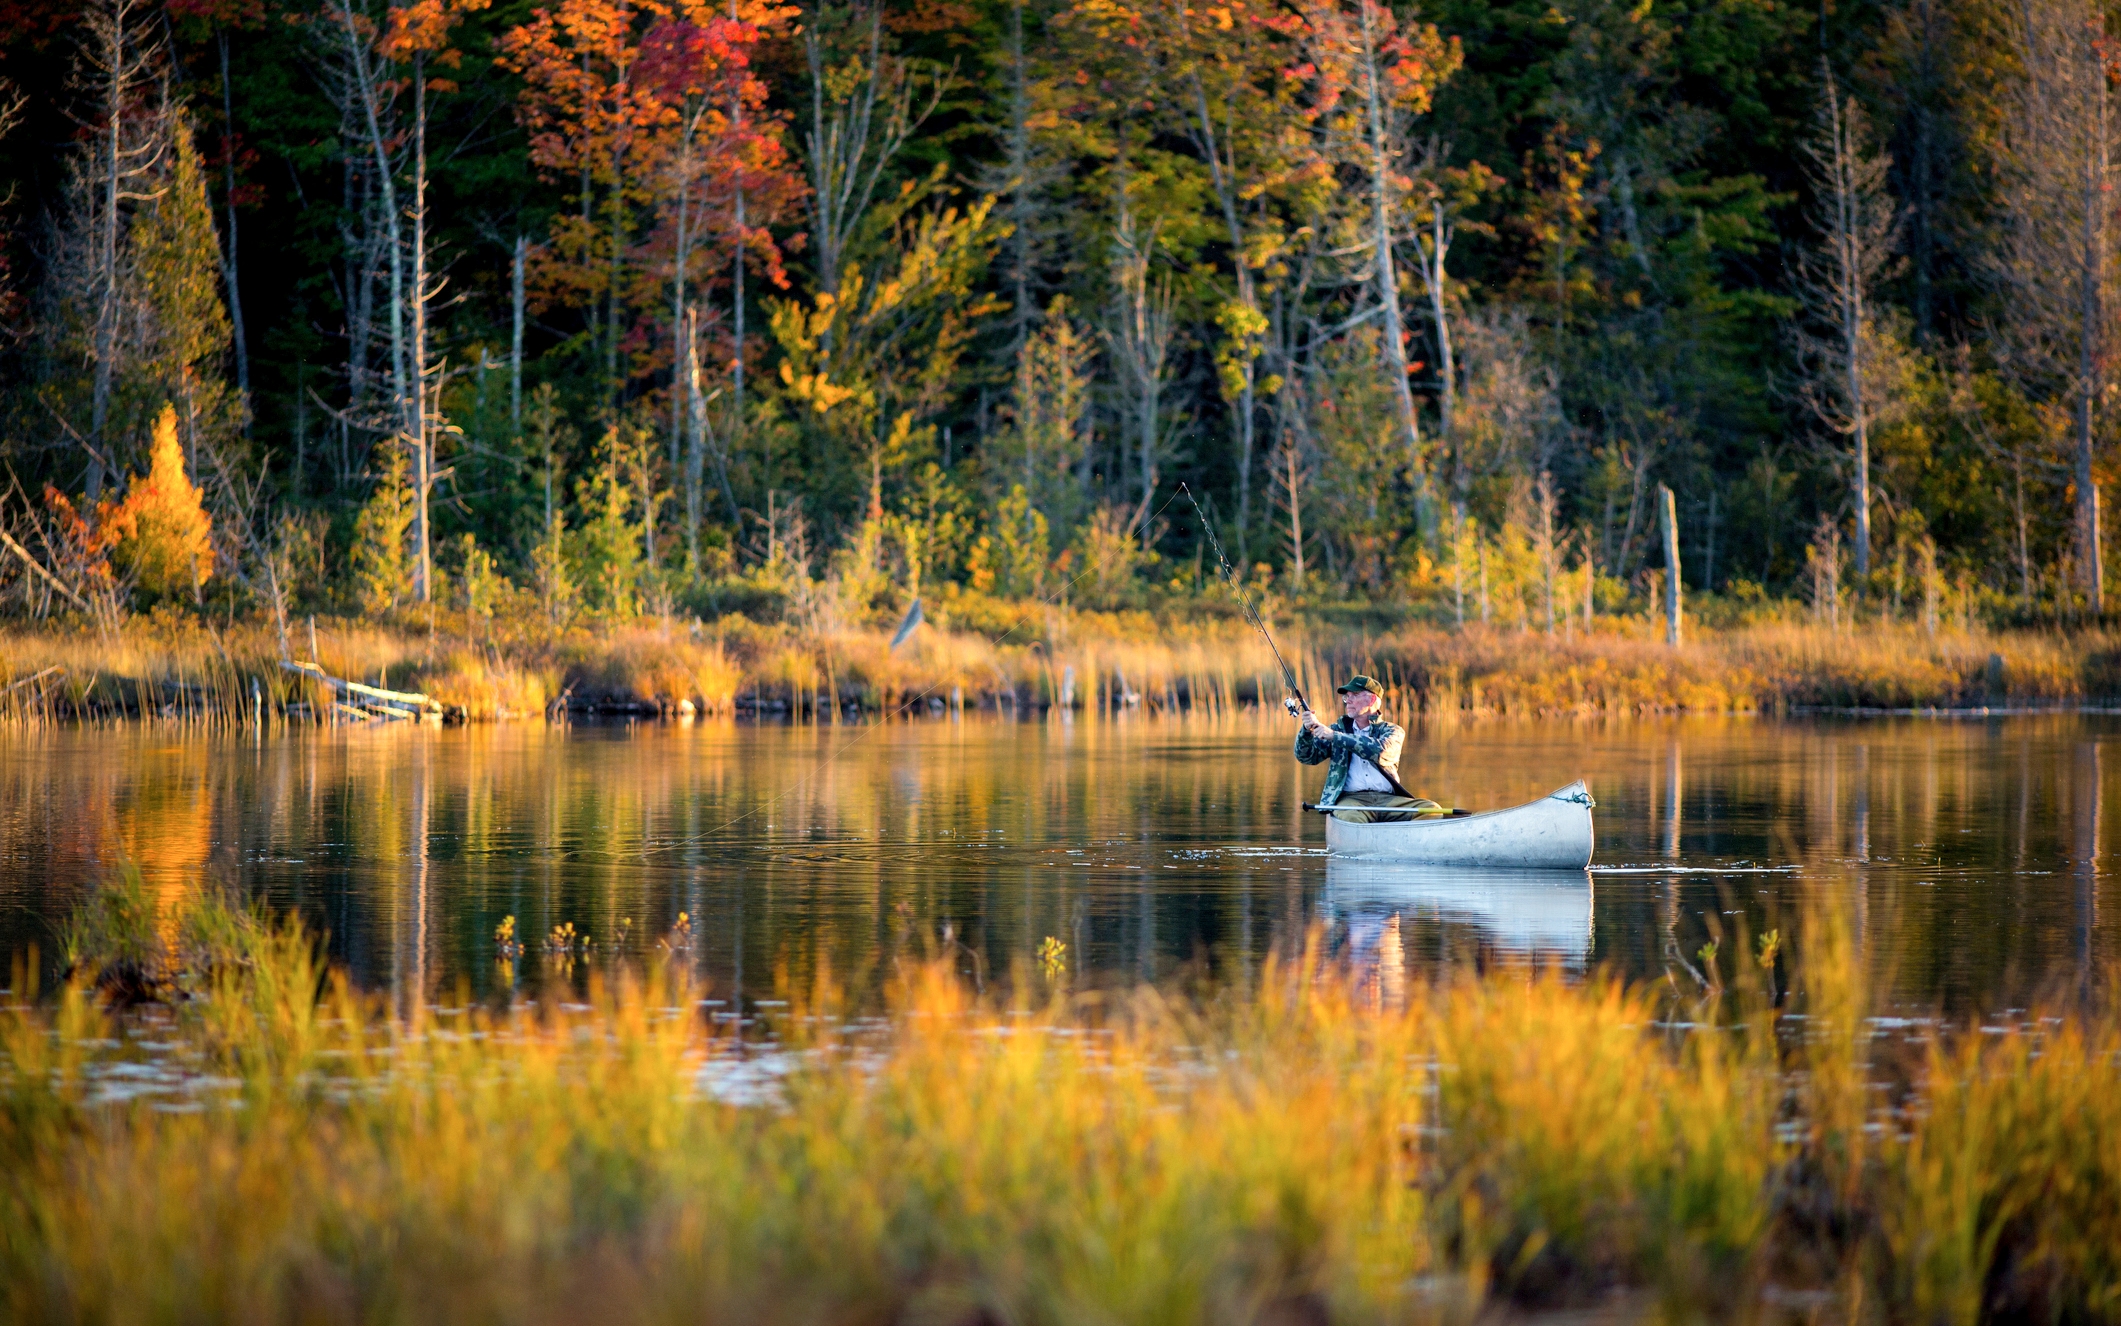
(862, 730)
(1288, 674)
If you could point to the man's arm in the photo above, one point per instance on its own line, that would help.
(1310, 749)
(1378, 743)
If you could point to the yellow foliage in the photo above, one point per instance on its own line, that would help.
(1146, 1156)
(161, 535)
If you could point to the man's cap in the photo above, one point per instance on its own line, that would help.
(1359, 682)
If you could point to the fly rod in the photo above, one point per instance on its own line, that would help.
(1222, 563)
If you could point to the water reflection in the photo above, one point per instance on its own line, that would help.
(1533, 916)
(1965, 856)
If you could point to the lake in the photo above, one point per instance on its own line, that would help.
(1966, 855)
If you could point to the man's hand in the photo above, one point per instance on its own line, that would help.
(1313, 726)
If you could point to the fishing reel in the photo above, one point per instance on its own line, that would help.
(1288, 702)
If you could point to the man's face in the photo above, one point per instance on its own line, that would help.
(1359, 704)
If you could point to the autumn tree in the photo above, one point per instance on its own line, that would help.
(1226, 91)
(1374, 81)
(730, 181)
(597, 125)
(160, 536)
(870, 365)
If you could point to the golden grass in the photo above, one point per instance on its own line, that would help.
(1317, 1148)
(1037, 657)
(1624, 667)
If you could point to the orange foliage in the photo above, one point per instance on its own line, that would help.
(654, 106)
(160, 533)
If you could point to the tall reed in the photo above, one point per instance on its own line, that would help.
(1030, 658)
(1318, 1147)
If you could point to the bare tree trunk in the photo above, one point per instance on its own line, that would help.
(1434, 275)
(736, 284)
(681, 354)
(1291, 478)
(1222, 175)
(111, 33)
(418, 432)
(1387, 276)
(520, 260)
(1668, 516)
(853, 141)
(1144, 345)
(1548, 505)
(2091, 344)
(701, 437)
(1853, 213)
(2025, 560)
(2056, 263)
(228, 265)
(367, 88)
(1020, 182)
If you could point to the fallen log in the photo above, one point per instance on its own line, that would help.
(34, 678)
(371, 699)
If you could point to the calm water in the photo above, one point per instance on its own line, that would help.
(1967, 856)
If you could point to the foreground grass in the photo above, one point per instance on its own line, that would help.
(1322, 1147)
(1026, 658)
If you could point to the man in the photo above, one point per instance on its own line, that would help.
(1361, 755)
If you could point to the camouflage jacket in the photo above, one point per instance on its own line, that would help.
(1378, 743)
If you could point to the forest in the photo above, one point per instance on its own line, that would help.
(594, 309)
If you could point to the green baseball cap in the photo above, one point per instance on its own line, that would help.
(1359, 682)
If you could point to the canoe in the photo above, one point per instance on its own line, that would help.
(1552, 833)
(1543, 914)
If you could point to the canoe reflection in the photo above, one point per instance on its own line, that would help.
(1543, 915)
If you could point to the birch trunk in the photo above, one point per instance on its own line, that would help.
(681, 354)
(418, 433)
(1387, 274)
(367, 90)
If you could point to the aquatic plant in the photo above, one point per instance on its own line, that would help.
(1315, 1147)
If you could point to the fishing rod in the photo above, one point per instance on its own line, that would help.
(1288, 674)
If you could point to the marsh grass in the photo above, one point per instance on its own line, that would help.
(1035, 658)
(1306, 1149)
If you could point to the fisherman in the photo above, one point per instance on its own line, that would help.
(1361, 755)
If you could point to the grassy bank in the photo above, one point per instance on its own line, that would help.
(1330, 1145)
(1025, 658)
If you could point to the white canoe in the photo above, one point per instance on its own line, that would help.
(1544, 914)
(1552, 833)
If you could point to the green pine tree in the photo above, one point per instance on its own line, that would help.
(177, 263)
(607, 548)
(382, 572)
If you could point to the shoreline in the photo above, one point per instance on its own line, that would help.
(455, 669)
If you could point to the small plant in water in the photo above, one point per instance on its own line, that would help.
(1770, 946)
(1052, 957)
(505, 941)
(563, 941)
(679, 940)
